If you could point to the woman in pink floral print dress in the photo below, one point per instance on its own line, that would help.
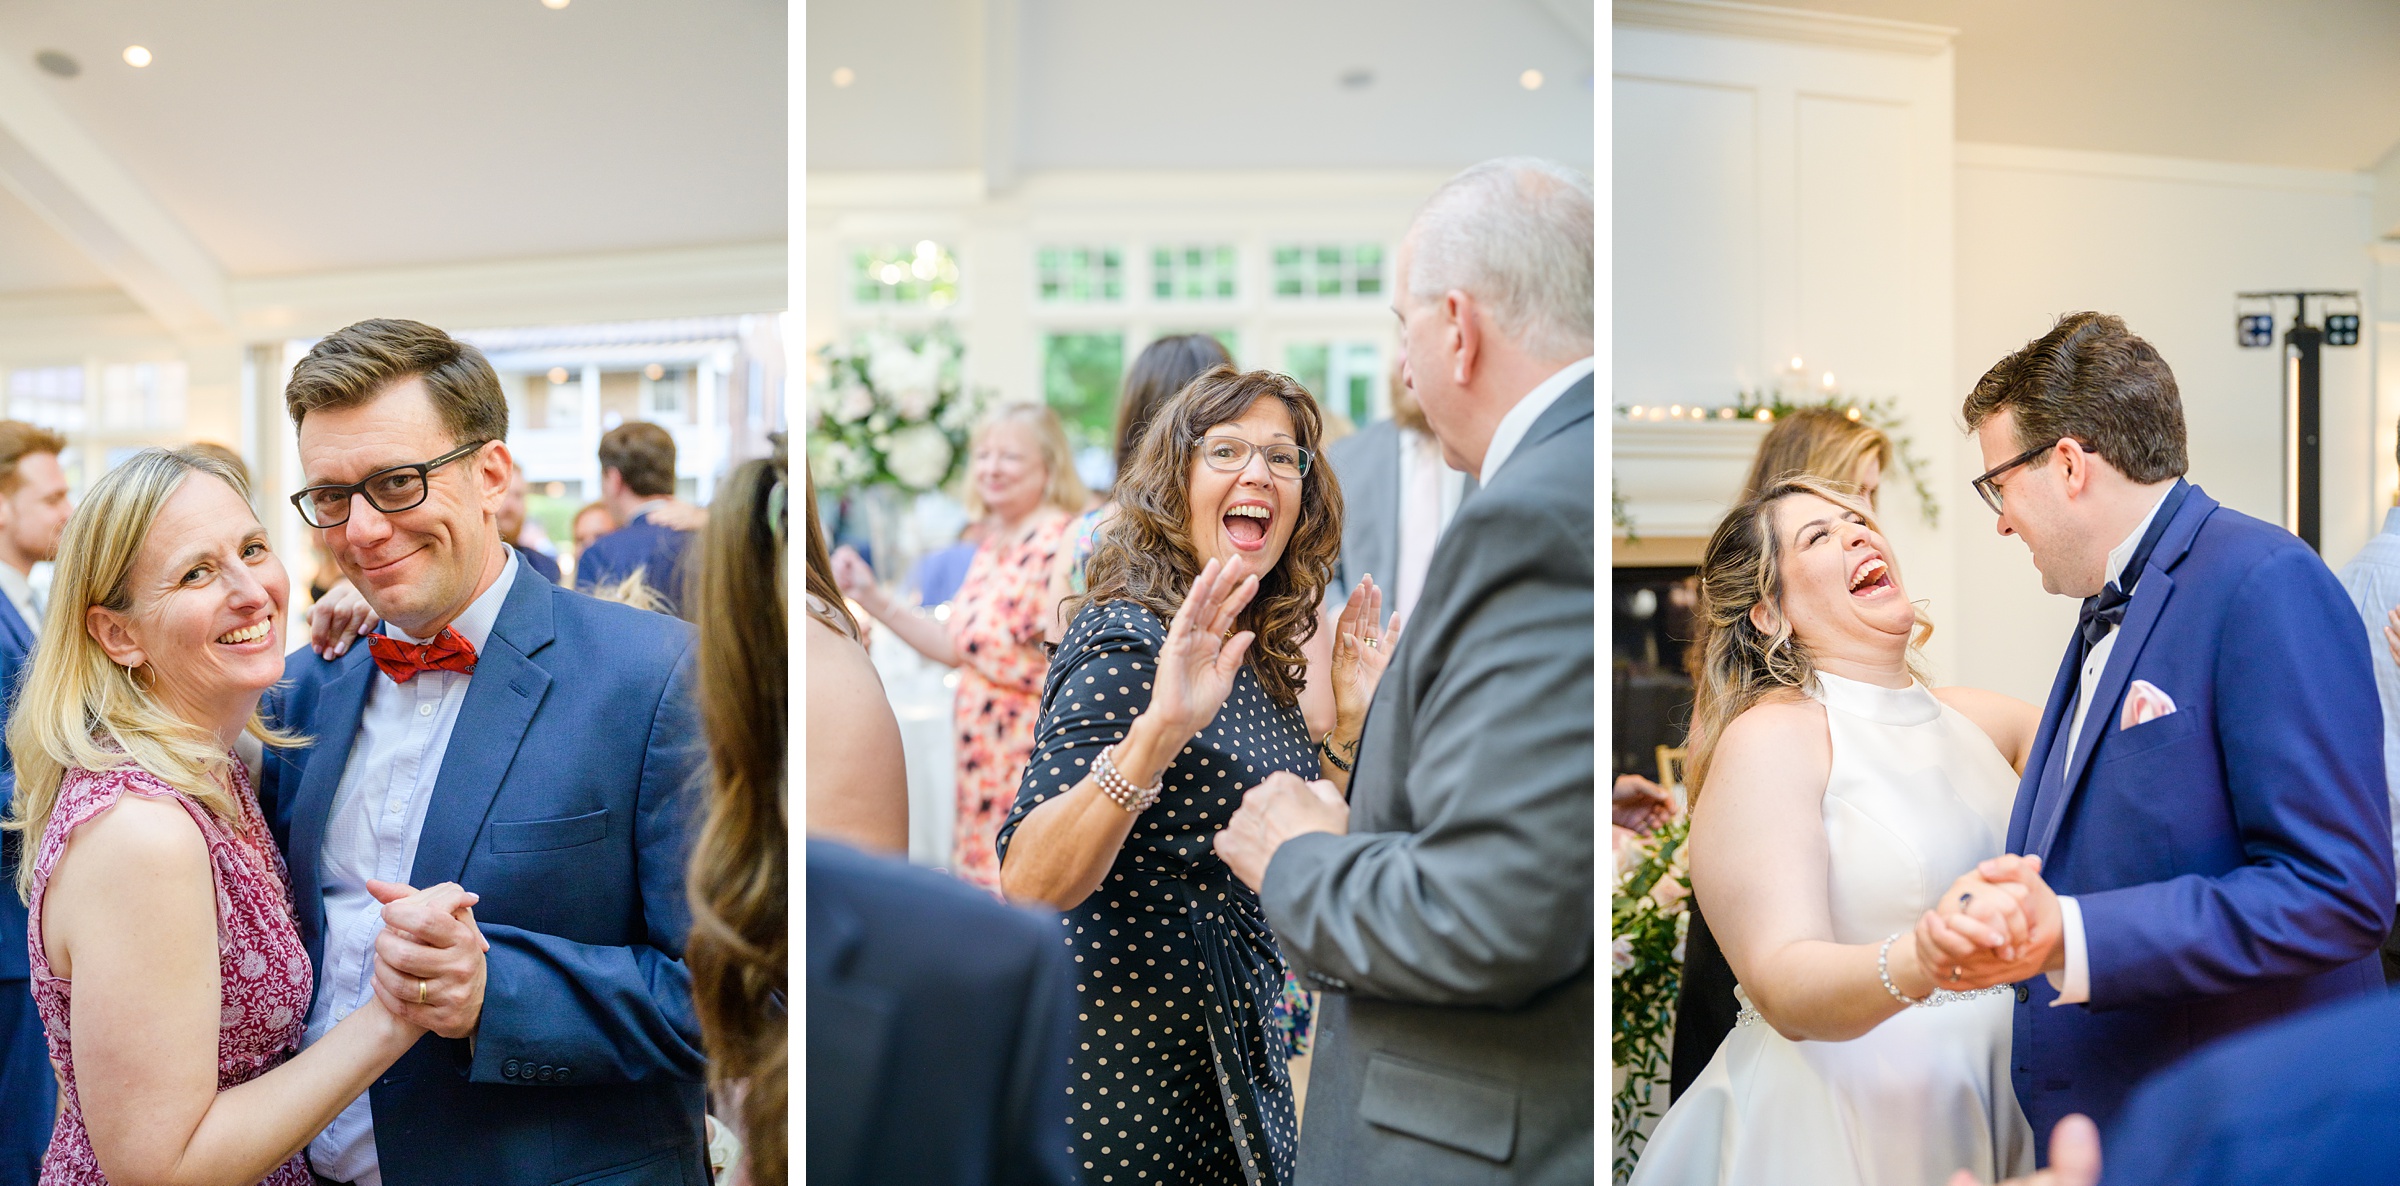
(1021, 481)
(167, 967)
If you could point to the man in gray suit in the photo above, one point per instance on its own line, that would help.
(1397, 496)
(1446, 912)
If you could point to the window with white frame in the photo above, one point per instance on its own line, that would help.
(51, 397)
(1347, 378)
(1328, 271)
(1079, 275)
(1194, 272)
(895, 277)
(142, 397)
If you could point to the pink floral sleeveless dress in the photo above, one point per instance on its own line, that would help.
(263, 969)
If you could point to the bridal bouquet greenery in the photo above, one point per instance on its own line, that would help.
(1647, 918)
(892, 411)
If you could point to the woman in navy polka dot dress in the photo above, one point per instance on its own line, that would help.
(1176, 689)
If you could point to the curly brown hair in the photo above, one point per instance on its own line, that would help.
(1145, 554)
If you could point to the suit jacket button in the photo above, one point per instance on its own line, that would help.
(544, 1074)
(2024, 994)
(561, 1077)
(508, 1070)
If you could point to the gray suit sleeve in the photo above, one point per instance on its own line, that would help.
(1489, 900)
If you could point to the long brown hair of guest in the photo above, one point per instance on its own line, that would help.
(739, 953)
(1744, 664)
(1145, 554)
(825, 601)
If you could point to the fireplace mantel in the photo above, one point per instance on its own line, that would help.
(1676, 479)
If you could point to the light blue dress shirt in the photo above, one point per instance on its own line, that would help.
(2373, 579)
(378, 813)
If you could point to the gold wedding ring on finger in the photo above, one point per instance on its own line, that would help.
(420, 992)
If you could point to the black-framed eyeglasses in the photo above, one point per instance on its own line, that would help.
(391, 491)
(1988, 486)
(1232, 455)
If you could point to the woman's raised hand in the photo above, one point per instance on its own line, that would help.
(1361, 650)
(852, 576)
(1203, 652)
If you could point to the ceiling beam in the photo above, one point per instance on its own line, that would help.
(81, 189)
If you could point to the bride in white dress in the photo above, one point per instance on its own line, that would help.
(1837, 801)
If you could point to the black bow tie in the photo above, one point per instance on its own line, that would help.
(2102, 614)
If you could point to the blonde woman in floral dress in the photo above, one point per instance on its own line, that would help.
(1021, 482)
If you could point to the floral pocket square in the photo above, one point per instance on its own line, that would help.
(2144, 702)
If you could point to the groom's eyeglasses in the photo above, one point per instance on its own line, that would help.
(1988, 486)
(391, 491)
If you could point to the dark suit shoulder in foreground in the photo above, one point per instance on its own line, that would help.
(937, 1030)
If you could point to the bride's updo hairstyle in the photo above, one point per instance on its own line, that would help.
(1741, 664)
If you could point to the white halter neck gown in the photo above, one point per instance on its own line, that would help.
(1917, 795)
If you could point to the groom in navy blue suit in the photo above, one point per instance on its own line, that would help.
(2205, 796)
(530, 743)
(33, 513)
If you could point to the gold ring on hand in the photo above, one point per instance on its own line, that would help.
(420, 992)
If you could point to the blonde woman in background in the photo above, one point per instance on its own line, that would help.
(167, 965)
(1021, 481)
(1822, 443)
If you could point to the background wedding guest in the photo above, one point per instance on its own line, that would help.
(592, 521)
(232, 461)
(1021, 481)
(1811, 443)
(857, 770)
(1163, 368)
(1397, 496)
(637, 476)
(1445, 913)
(168, 917)
(2373, 580)
(33, 511)
(1180, 673)
(512, 526)
(436, 753)
(738, 951)
(938, 1030)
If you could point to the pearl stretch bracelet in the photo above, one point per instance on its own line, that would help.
(1120, 790)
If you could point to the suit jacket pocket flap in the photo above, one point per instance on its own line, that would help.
(541, 835)
(1478, 1117)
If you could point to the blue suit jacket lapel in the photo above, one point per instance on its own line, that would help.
(14, 626)
(2150, 595)
(335, 723)
(2021, 817)
(501, 698)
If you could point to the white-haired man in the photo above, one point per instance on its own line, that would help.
(1445, 912)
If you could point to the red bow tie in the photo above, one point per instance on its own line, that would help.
(403, 660)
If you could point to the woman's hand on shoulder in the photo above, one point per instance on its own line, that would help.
(2008, 721)
(1202, 654)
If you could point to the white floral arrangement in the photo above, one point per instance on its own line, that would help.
(892, 411)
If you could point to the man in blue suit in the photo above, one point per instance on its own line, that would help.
(528, 742)
(2206, 791)
(637, 476)
(937, 1030)
(33, 511)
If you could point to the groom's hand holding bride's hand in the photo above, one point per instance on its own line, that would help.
(429, 968)
(1959, 937)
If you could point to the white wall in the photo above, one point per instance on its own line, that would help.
(2164, 244)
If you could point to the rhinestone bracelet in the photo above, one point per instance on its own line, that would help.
(1120, 790)
(1883, 971)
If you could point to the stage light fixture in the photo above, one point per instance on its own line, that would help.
(2341, 329)
(2255, 331)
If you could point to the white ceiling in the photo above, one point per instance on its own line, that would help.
(302, 136)
(2311, 83)
(1228, 84)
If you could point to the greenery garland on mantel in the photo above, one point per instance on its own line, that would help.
(1882, 413)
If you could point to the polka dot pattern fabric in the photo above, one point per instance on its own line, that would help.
(1176, 1075)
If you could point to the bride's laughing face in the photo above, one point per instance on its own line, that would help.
(1841, 585)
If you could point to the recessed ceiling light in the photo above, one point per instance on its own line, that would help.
(1358, 79)
(558, 376)
(54, 62)
(136, 56)
(654, 372)
(1531, 80)
(554, 5)
(844, 76)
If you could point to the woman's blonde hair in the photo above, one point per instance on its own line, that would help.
(1743, 665)
(1818, 443)
(1065, 489)
(76, 708)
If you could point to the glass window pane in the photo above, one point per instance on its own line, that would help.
(1080, 377)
